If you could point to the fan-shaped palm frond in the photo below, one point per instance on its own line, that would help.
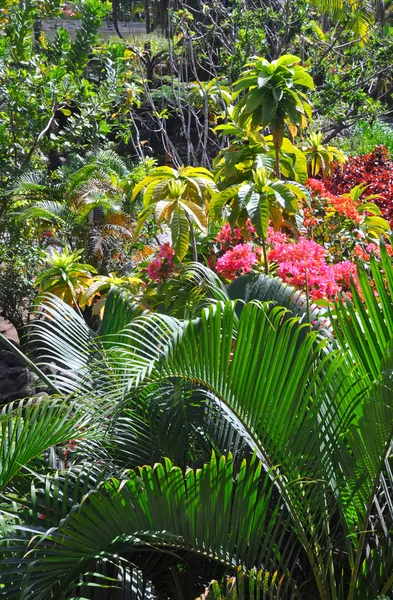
(366, 328)
(257, 586)
(55, 213)
(313, 504)
(198, 286)
(139, 515)
(29, 428)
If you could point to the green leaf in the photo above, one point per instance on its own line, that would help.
(370, 207)
(259, 210)
(301, 77)
(254, 99)
(30, 427)
(269, 109)
(196, 213)
(180, 229)
(219, 200)
(244, 83)
(286, 60)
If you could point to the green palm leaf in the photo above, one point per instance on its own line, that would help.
(163, 508)
(31, 427)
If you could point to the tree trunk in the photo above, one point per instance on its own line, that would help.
(115, 17)
(278, 172)
(147, 16)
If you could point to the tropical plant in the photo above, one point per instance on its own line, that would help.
(273, 97)
(371, 169)
(249, 148)
(180, 198)
(101, 285)
(66, 277)
(86, 204)
(321, 157)
(294, 492)
(261, 199)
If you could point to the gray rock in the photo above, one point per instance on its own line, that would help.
(15, 383)
(10, 359)
(24, 392)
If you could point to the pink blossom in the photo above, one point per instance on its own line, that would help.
(153, 269)
(235, 262)
(303, 264)
(227, 237)
(166, 252)
(162, 265)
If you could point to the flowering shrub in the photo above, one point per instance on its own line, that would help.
(236, 262)
(370, 250)
(161, 267)
(374, 169)
(339, 229)
(341, 223)
(303, 264)
(228, 237)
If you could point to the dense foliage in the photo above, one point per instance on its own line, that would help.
(202, 284)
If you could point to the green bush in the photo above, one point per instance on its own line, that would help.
(365, 136)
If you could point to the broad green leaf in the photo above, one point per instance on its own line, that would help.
(196, 213)
(287, 60)
(219, 200)
(269, 108)
(254, 99)
(301, 77)
(180, 229)
(259, 211)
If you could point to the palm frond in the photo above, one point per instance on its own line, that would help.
(29, 428)
(365, 327)
(208, 511)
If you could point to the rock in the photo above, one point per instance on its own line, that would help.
(15, 383)
(25, 392)
(11, 359)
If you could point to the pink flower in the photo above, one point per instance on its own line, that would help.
(303, 264)
(227, 237)
(162, 266)
(235, 262)
(166, 252)
(154, 269)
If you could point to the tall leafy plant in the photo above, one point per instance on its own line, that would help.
(263, 199)
(274, 95)
(303, 474)
(179, 198)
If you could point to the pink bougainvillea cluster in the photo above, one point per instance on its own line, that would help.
(162, 266)
(303, 264)
(235, 254)
(236, 262)
(228, 237)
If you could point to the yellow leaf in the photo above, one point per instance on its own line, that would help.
(292, 130)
